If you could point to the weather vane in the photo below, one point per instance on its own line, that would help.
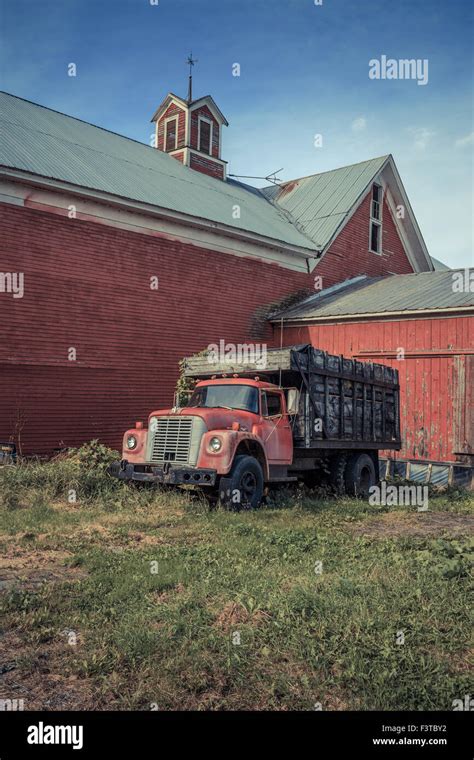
(190, 61)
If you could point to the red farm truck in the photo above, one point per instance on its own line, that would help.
(305, 415)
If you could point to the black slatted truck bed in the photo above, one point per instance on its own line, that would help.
(344, 406)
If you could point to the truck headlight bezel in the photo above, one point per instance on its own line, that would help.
(132, 442)
(215, 444)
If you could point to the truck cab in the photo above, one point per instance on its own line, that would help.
(233, 435)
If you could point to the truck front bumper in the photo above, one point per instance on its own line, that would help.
(168, 474)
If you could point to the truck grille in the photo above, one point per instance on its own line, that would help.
(172, 440)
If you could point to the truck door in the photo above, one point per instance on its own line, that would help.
(276, 431)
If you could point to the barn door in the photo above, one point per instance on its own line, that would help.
(463, 403)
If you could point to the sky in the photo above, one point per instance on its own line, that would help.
(304, 71)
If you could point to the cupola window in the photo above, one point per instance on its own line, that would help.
(204, 135)
(171, 134)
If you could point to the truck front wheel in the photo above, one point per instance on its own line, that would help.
(360, 475)
(243, 488)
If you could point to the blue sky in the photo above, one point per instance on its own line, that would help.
(304, 71)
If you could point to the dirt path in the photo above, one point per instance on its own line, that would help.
(28, 567)
(399, 524)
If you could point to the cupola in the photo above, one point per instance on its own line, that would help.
(191, 131)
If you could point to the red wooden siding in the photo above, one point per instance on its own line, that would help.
(179, 156)
(87, 286)
(349, 254)
(436, 376)
(206, 166)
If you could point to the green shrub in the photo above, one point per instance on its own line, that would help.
(83, 471)
(94, 456)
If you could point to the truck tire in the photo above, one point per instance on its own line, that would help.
(337, 473)
(243, 487)
(360, 475)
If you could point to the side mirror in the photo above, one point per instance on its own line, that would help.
(293, 400)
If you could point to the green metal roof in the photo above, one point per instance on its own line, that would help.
(439, 265)
(50, 144)
(424, 291)
(303, 214)
(320, 203)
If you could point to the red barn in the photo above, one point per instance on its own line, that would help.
(118, 259)
(422, 325)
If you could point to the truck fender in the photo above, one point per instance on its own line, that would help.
(235, 442)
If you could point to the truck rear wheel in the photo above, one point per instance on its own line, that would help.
(243, 488)
(360, 475)
(337, 471)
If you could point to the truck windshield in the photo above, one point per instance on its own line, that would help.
(227, 396)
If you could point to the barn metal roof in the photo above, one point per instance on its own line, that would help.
(44, 142)
(302, 216)
(438, 265)
(320, 203)
(424, 291)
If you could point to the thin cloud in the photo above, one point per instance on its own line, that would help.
(359, 124)
(463, 141)
(422, 137)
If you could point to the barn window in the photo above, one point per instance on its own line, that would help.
(375, 230)
(204, 135)
(171, 134)
(375, 234)
(376, 200)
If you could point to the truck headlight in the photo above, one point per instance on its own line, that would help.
(131, 442)
(215, 444)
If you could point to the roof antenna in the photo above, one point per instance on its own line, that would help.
(269, 178)
(273, 177)
(191, 61)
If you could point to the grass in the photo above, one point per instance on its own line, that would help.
(140, 599)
